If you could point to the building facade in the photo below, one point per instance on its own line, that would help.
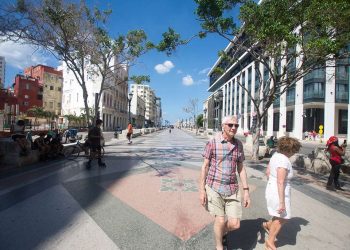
(319, 101)
(28, 91)
(52, 82)
(138, 110)
(153, 107)
(113, 104)
(2, 72)
(9, 108)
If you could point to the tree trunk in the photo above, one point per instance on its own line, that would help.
(85, 95)
(255, 145)
(256, 136)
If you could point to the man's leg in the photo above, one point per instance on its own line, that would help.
(100, 162)
(219, 231)
(222, 227)
(91, 156)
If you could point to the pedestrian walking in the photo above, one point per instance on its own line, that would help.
(279, 172)
(129, 132)
(219, 189)
(95, 137)
(335, 159)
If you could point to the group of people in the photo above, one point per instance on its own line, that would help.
(310, 135)
(48, 144)
(219, 190)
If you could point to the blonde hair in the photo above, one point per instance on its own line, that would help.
(288, 145)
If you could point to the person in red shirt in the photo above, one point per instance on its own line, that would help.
(336, 153)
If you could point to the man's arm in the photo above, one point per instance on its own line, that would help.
(204, 172)
(243, 176)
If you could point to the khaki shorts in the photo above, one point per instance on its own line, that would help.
(221, 205)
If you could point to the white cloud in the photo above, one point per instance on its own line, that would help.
(203, 81)
(187, 80)
(204, 71)
(22, 55)
(164, 68)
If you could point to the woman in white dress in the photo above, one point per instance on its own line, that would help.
(279, 172)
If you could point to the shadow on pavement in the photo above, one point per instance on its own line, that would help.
(251, 233)
(288, 233)
(246, 237)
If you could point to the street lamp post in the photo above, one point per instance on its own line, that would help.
(129, 100)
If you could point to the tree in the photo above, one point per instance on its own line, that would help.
(199, 120)
(113, 56)
(36, 112)
(76, 35)
(140, 79)
(192, 109)
(288, 38)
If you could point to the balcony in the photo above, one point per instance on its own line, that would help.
(314, 92)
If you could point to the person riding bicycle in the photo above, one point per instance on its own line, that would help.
(94, 136)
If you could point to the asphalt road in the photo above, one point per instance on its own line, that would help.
(147, 198)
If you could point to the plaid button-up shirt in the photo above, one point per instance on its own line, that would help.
(223, 157)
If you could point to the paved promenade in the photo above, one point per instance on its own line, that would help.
(147, 198)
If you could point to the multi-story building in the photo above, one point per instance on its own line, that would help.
(52, 81)
(149, 96)
(113, 101)
(29, 92)
(320, 100)
(138, 110)
(9, 107)
(2, 72)
(158, 118)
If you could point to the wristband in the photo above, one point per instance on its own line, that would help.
(247, 188)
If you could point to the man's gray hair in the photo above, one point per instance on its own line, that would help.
(228, 119)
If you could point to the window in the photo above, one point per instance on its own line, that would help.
(51, 105)
(291, 96)
(59, 89)
(27, 86)
(290, 121)
(276, 121)
(25, 103)
(58, 105)
(314, 90)
(343, 121)
(51, 88)
(26, 96)
(341, 92)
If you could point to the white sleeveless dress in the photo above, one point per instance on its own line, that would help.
(271, 194)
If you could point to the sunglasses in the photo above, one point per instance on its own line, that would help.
(231, 125)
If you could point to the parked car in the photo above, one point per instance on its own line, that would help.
(73, 135)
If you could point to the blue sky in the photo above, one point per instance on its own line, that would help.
(175, 79)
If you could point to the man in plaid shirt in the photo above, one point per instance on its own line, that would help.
(219, 188)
